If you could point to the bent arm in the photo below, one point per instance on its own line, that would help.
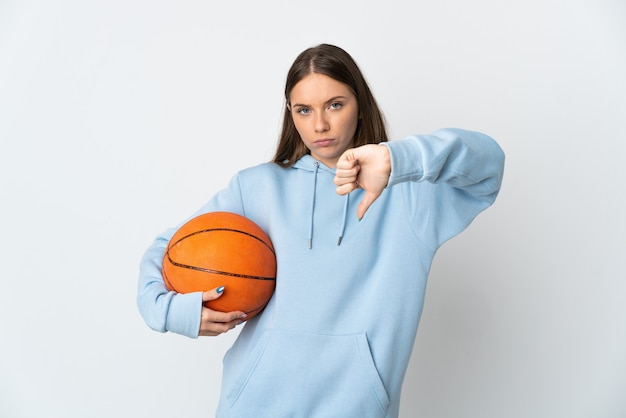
(165, 310)
(459, 174)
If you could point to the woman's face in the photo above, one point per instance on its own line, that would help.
(325, 113)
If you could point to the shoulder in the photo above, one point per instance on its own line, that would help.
(261, 174)
(262, 170)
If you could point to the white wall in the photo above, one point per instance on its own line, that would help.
(120, 118)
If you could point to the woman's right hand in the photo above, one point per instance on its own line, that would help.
(214, 323)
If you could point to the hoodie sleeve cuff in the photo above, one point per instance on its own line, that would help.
(184, 313)
(403, 165)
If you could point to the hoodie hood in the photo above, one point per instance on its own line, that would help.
(310, 164)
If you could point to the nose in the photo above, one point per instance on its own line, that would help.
(321, 122)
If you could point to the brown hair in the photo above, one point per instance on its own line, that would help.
(337, 64)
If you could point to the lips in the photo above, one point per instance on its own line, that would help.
(324, 142)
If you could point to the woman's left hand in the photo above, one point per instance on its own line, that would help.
(367, 167)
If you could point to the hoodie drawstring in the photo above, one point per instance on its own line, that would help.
(345, 217)
(345, 210)
(317, 166)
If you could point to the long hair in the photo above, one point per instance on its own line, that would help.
(337, 64)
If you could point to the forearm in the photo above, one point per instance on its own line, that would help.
(164, 310)
(462, 159)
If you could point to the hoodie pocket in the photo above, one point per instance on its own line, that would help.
(295, 374)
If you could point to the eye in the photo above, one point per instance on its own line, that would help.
(336, 105)
(303, 110)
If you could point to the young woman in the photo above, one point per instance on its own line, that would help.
(355, 222)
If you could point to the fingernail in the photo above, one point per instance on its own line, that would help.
(243, 316)
(220, 289)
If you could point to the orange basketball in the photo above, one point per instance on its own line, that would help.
(222, 249)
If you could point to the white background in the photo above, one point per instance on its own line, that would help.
(118, 119)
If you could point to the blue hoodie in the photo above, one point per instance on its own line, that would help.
(336, 337)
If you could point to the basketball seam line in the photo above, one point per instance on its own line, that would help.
(225, 273)
(225, 229)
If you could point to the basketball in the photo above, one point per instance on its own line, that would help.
(222, 249)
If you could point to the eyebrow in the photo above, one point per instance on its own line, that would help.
(332, 99)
